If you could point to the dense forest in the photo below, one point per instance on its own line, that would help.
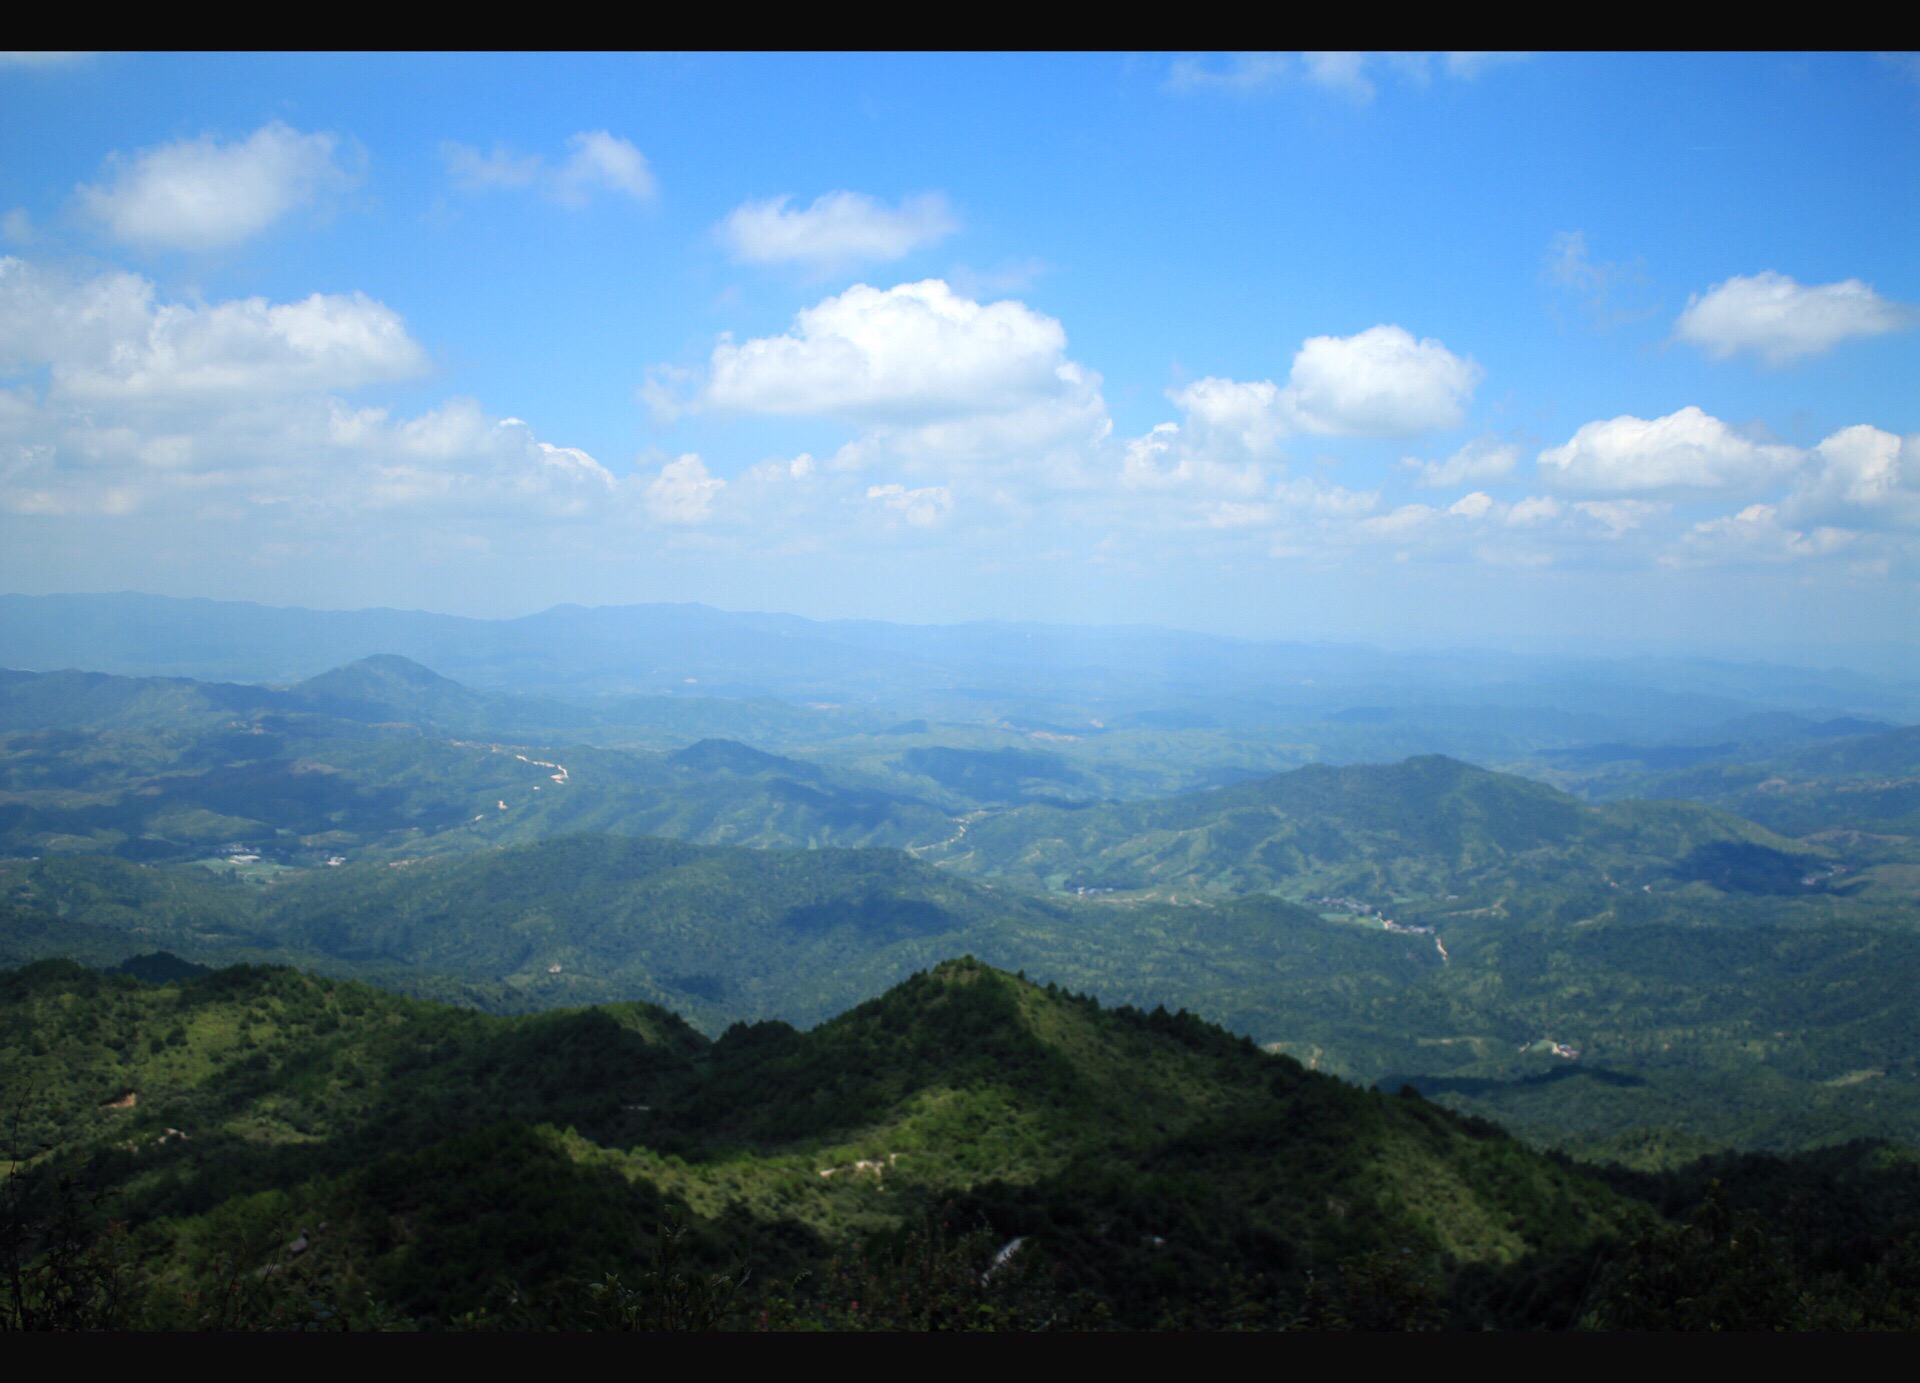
(372, 1000)
(259, 1147)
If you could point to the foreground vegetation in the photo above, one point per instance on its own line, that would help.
(259, 1147)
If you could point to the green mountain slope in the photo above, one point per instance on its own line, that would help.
(722, 933)
(386, 756)
(1740, 1018)
(417, 1152)
(1427, 826)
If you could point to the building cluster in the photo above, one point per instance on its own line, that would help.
(1331, 903)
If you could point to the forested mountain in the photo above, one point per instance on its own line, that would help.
(1590, 1018)
(254, 1147)
(418, 1154)
(1427, 826)
(1635, 982)
(1862, 782)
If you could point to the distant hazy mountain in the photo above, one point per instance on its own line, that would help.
(696, 650)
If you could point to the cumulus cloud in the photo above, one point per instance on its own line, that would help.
(596, 162)
(1685, 451)
(1482, 460)
(1862, 476)
(235, 407)
(201, 194)
(455, 458)
(1379, 383)
(109, 337)
(838, 229)
(311, 454)
(683, 492)
(915, 353)
(1780, 320)
(1234, 418)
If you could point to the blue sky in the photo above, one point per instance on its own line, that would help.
(1576, 350)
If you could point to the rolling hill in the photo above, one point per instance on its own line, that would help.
(1426, 827)
(325, 1143)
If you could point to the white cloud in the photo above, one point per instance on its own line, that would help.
(179, 409)
(1685, 451)
(683, 492)
(922, 508)
(1164, 459)
(1618, 517)
(456, 459)
(596, 162)
(601, 162)
(109, 338)
(1244, 72)
(1379, 383)
(200, 194)
(914, 353)
(839, 229)
(17, 226)
(1524, 513)
(1051, 435)
(1782, 321)
(1479, 461)
(1398, 523)
(308, 454)
(1343, 72)
(1757, 534)
(478, 172)
(1234, 418)
(1348, 74)
(1863, 476)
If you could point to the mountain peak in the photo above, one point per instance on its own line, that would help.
(385, 668)
(728, 756)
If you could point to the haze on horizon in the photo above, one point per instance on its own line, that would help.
(1578, 351)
